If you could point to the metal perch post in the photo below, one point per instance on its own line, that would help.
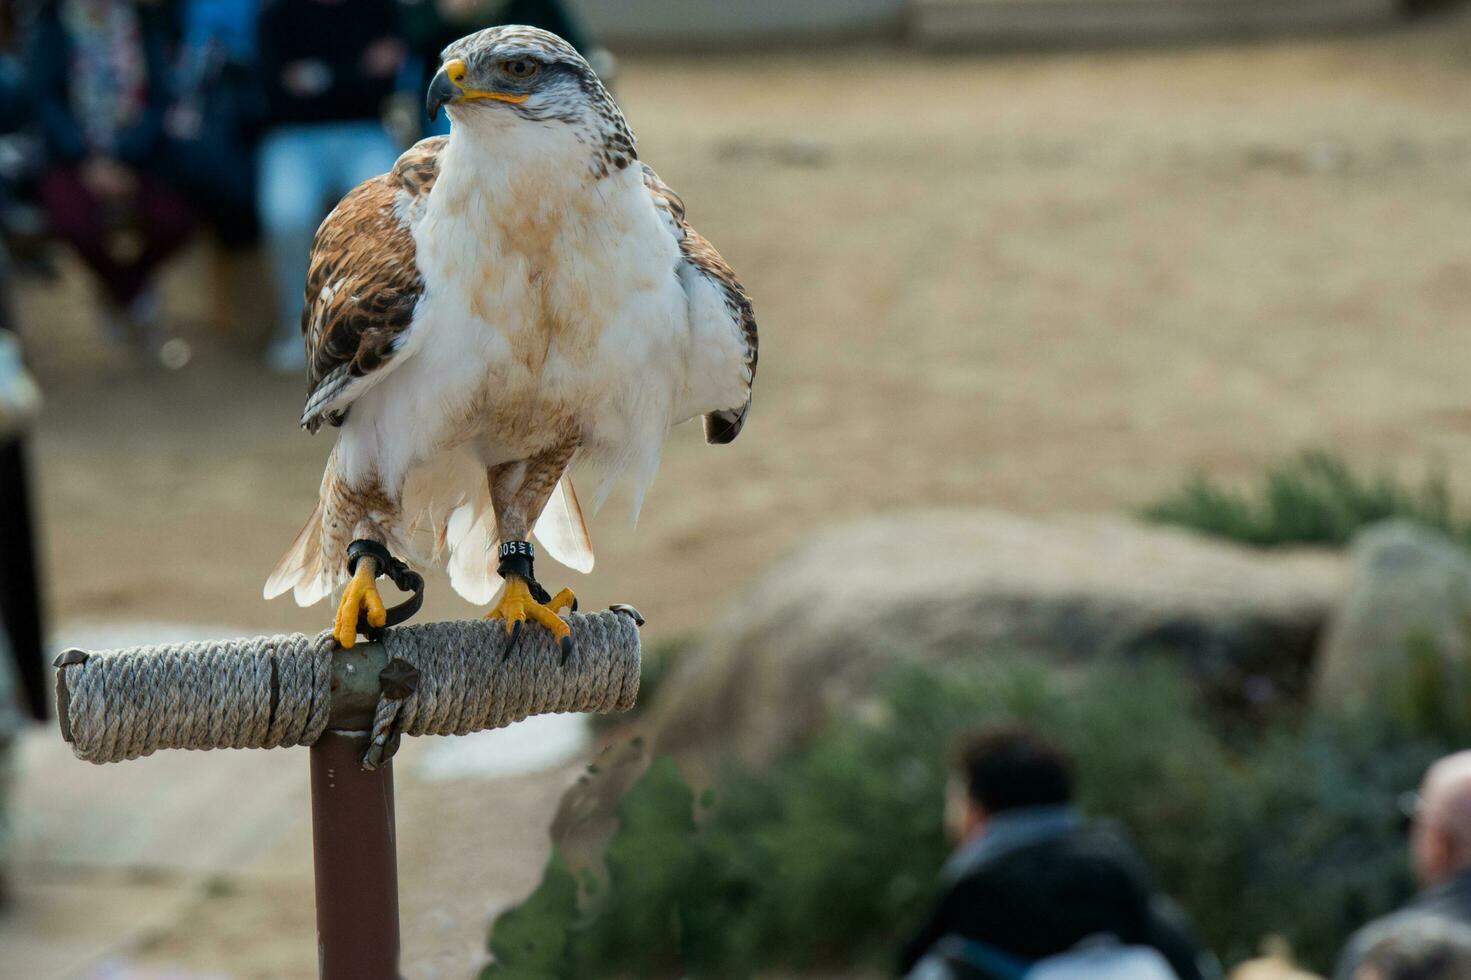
(351, 707)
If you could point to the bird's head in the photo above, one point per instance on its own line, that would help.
(504, 78)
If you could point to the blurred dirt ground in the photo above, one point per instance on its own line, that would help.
(1041, 283)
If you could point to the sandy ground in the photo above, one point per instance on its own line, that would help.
(1041, 283)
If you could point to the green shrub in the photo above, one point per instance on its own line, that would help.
(1315, 498)
(1321, 836)
(828, 858)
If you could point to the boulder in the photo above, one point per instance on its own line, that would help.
(1409, 589)
(821, 627)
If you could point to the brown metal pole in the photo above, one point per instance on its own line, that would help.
(356, 866)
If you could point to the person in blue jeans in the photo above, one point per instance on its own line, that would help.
(330, 68)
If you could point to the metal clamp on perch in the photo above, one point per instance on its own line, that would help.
(448, 678)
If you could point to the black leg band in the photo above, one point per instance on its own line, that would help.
(518, 558)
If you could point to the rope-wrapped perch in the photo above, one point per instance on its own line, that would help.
(277, 691)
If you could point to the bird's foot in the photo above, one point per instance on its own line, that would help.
(518, 603)
(361, 598)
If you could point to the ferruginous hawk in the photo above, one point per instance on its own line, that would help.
(517, 296)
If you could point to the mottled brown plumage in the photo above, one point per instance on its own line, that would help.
(363, 282)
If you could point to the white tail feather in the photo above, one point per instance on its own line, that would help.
(562, 530)
(470, 536)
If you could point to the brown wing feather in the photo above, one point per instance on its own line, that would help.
(725, 425)
(363, 284)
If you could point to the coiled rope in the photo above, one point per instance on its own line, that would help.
(276, 691)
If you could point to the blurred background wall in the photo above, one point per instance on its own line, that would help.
(652, 24)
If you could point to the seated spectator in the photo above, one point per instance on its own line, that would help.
(98, 71)
(1422, 947)
(1031, 878)
(330, 66)
(1440, 855)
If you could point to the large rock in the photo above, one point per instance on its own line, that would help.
(823, 624)
(1409, 590)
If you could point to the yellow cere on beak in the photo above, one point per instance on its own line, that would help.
(455, 70)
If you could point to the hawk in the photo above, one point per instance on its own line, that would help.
(519, 296)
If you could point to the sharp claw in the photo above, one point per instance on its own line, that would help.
(515, 638)
(567, 648)
(627, 610)
(574, 603)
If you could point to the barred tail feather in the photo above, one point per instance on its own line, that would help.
(302, 570)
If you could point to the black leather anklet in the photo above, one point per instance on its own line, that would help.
(402, 576)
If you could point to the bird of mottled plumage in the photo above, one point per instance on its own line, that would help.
(514, 298)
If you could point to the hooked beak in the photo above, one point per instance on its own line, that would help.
(441, 91)
(448, 87)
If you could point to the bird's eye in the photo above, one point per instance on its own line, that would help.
(520, 67)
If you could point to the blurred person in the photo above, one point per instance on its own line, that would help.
(330, 67)
(1423, 947)
(218, 109)
(1271, 968)
(1440, 856)
(1274, 963)
(431, 25)
(215, 125)
(1031, 878)
(98, 74)
(23, 222)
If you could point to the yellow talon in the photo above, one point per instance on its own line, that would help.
(516, 605)
(361, 595)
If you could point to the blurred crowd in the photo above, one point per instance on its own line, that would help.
(1036, 890)
(129, 126)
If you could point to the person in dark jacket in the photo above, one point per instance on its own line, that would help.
(98, 73)
(1031, 877)
(1440, 854)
